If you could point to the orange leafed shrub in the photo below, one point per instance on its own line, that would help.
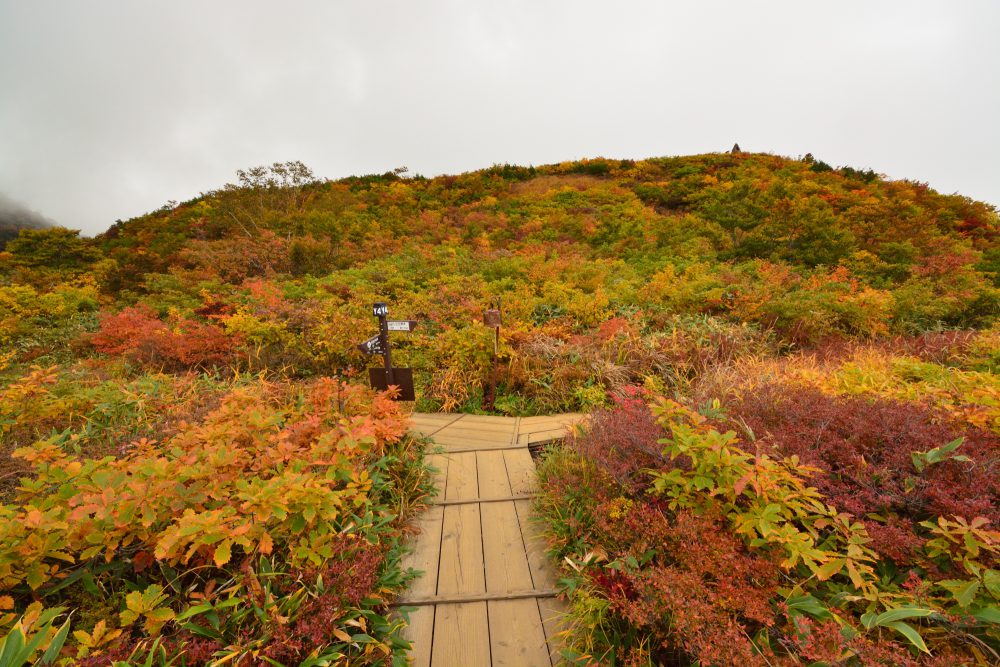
(139, 335)
(274, 478)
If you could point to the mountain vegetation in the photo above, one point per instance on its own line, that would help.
(793, 372)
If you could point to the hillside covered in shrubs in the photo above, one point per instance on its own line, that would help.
(610, 273)
(792, 368)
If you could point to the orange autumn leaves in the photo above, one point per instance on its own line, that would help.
(261, 468)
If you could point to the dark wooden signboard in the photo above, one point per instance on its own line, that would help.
(401, 377)
(383, 378)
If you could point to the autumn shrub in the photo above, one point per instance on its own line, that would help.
(868, 452)
(717, 551)
(137, 334)
(42, 323)
(269, 529)
(623, 441)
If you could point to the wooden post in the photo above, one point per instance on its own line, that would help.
(381, 311)
(493, 318)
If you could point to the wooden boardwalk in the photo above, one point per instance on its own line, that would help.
(487, 593)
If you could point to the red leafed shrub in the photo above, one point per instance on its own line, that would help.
(138, 334)
(864, 448)
(705, 592)
(349, 575)
(126, 331)
(623, 440)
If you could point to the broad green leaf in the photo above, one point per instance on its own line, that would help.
(809, 605)
(13, 647)
(910, 633)
(52, 652)
(988, 614)
(194, 611)
(893, 615)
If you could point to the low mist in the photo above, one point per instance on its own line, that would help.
(15, 216)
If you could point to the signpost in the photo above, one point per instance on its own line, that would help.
(383, 378)
(492, 317)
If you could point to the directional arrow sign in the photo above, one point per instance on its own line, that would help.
(372, 346)
(401, 325)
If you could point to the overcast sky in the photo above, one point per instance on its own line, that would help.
(110, 109)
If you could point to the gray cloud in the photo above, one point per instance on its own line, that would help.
(109, 109)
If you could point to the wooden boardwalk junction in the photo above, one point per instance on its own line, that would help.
(487, 593)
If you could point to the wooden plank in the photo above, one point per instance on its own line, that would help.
(478, 436)
(438, 421)
(503, 549)
(428, 426)
(462, 481)
(448, 442)
(553, 614)
(461, 635)
(520, 470)
(461, 566)
(543, 573)
(468, 426)
(474, 422)
(430, 423)
(420, 633)
(436, 416)
(528, 422)
(426, 552)
(483, 448)
(545, 428)
(492, 472)
(439, 476)
(476, 597)
(555, 421)
(541, 436)
(474, 435)
(517, 638)
(488, 419)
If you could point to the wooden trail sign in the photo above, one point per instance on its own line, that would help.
(401, 325)
(372, 346)
(387, 376)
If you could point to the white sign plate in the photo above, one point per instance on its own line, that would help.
(400, 325)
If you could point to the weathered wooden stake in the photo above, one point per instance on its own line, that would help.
(492, 317)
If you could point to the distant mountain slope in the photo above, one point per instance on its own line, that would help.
(15, 216)
(713, 206)
(603, 267)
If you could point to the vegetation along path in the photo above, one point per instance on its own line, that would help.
(487, 593)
